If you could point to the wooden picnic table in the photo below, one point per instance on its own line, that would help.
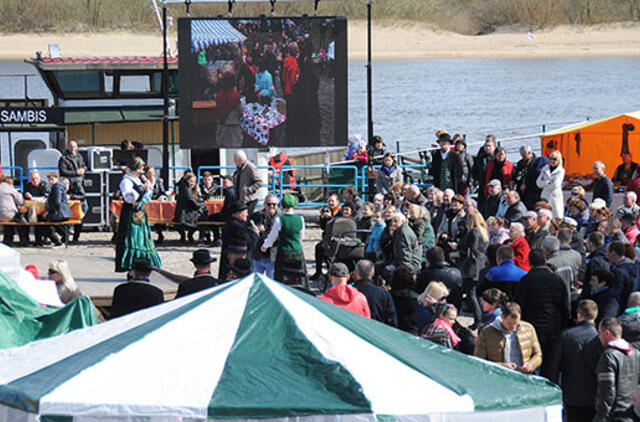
(162, 212)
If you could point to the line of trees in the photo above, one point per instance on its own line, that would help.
(463, 16)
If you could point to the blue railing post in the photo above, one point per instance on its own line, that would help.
(284, 185)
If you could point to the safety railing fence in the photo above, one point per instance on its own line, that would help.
(348, 175)
(19, 178)
(271, 179)
(422, 182)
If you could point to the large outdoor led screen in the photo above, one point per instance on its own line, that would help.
(254, 82)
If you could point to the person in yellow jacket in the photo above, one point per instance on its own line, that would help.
(510, 342)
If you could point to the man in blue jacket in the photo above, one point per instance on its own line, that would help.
(506, 275)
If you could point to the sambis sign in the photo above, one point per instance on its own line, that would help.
(31, 115)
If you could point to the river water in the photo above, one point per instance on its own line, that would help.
(509, 97)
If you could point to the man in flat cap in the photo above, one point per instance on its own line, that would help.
(343, 295)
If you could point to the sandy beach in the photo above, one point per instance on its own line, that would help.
(408, 40)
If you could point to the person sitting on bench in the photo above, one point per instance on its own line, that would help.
(10, 200)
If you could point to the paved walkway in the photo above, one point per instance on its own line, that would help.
(92, 261)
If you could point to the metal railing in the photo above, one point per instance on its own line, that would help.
(271, 186)
(363, 176)
(324, 169)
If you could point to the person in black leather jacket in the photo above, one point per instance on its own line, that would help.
(440, 270)
(466, 159)
(617, 372)
(72, 166)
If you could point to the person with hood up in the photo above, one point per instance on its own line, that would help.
(353, 142)
(618, 373)
(344, 295)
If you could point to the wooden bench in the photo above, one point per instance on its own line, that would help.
(64, 224)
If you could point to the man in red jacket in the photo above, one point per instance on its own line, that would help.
(343, 295)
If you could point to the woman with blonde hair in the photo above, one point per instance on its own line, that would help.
(59, 272)
(435, 292)
(550, 181)
(472, 250)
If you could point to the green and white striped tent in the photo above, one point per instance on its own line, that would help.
(255, 349)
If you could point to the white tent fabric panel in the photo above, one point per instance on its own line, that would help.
(169, 381)
(404, 389)
(536, 414)
(40, 354)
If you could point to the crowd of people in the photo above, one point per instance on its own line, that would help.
(62, 186)
(552, 285)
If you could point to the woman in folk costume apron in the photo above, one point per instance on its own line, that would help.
(134, 233)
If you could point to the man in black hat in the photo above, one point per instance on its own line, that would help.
(236, 232)
(241, 267)
(137, 293)
(446, 167)
(202, 279)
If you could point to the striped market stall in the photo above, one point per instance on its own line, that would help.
(205, 33)
(255, 349)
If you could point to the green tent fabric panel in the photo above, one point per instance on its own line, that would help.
(56, 418)
(77, 314)
(26, 392)
(453, 370)
(288, 377)
(112, 116)
(23, 320)
(92, 116)
(142, 114)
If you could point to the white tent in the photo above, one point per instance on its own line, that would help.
(255, 349)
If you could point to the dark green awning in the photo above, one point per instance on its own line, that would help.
(74, 117)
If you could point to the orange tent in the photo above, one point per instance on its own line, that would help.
(583, 143)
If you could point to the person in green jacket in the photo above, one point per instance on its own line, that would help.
(288, 231)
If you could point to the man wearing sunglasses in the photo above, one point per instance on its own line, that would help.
(261, 222)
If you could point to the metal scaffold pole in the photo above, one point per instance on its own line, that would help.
(165, 94)
(369, 77)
